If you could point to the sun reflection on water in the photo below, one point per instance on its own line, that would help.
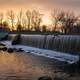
(20, 65)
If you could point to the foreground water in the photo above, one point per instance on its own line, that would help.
(25, 66)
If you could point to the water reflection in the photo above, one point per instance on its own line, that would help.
(21, 66)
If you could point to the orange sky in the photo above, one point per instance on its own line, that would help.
(44, 6)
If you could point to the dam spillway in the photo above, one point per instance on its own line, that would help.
(62, 43)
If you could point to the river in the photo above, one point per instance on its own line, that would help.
(26, 66)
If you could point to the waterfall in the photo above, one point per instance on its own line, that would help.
(33, 40)
(63, 43)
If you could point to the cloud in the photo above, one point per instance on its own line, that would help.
(45, 4)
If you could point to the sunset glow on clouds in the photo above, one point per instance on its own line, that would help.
(44, 6)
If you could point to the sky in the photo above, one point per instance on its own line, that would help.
(44, 6)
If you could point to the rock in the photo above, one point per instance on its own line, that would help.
(10, 50)
(4, 48)
(14, 49)
(14, 42)
(58, 78)
(19, 50)
(45, 78)
(28, 52)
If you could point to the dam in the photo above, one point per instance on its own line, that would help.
(40, 51)
(62, 43)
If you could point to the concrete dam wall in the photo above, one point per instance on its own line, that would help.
(63, 43)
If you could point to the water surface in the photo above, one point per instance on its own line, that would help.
(25, 66)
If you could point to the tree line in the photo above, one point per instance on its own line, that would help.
(64, 22)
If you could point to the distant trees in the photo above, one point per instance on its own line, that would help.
(36, 20)
(30, 21)
(55, 19)
(66, 19)
(24, 23)
(11, 18)
(64, 22)
(29, 17)
(76, 28)
(20, 16)
(5, 26)
(19, 21)
(19, 27)
(44, 28)
(1, 18)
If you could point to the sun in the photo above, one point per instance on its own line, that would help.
(46, 20)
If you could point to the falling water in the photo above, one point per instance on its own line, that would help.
(63, 43)
(59, 43)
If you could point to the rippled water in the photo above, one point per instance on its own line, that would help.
(24, 66)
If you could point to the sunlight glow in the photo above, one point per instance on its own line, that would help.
(46, 20)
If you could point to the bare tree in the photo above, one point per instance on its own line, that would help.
(55, 19)
(36, 20)
(19, 21)
(19, 27)
(5, 26)
(11, 17)
(1, 18)
(44, 28)
(20, 15)
(24, 23)
(28, 15)
(67, 19)
(76, 28)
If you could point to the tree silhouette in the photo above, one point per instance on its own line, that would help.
(24, 23)
(66, 22)
(19, 27)
(11, 17)
(76, 28)
(19, 21)
(36, 20)
(6, 26)
(67, 19)
(1, 18)
(44, 28)
(20, 15)
(28, 15)
(55, 19)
